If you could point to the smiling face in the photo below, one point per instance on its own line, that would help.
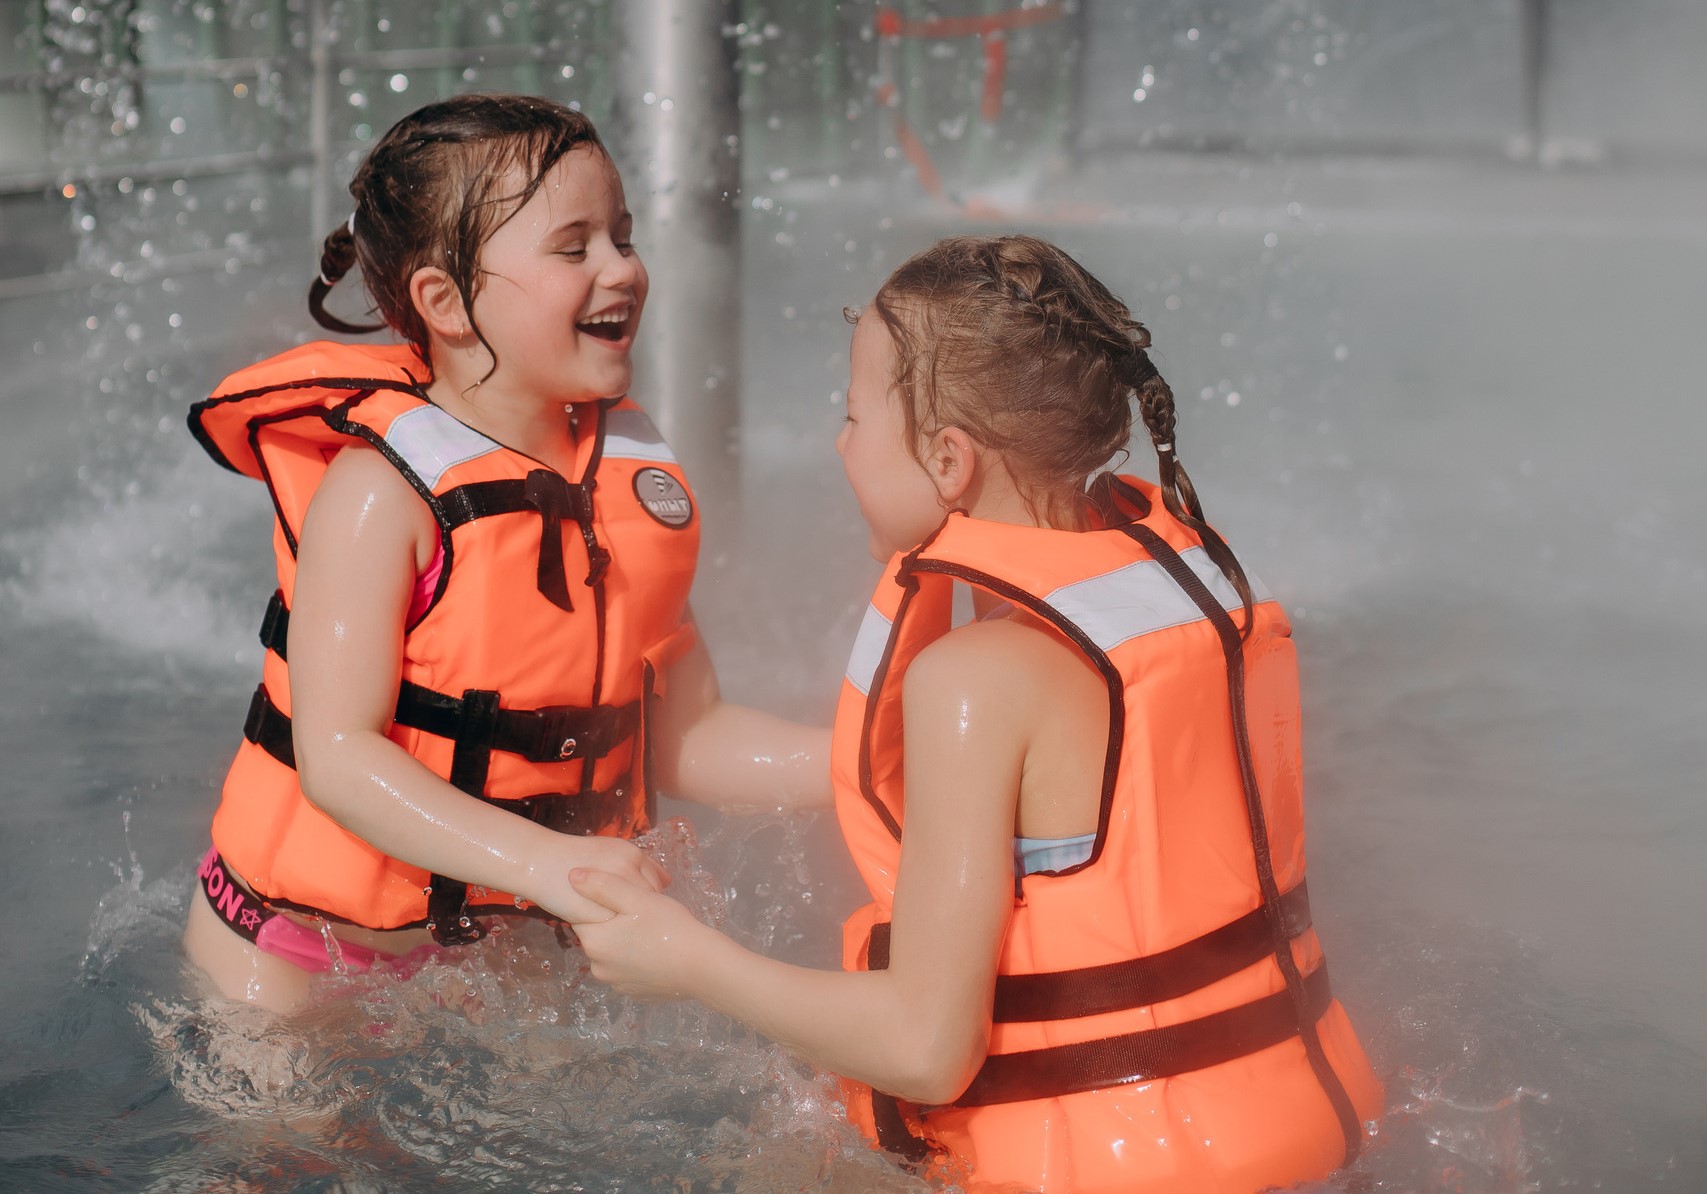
(896, 496)
(562, 286)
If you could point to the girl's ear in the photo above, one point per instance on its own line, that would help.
(439, 303)
(951, 462)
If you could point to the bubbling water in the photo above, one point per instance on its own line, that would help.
(497, 1065)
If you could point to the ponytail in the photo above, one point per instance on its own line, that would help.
(337, 256)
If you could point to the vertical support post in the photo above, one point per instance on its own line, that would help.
(675, 136)
(447, 28)
(1532, 15)
(319, 124)
(832, 103)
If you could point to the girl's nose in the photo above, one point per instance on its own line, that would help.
(619, 270)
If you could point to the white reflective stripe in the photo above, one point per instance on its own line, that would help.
(630, 435)
(1142, 598)
(432, 443)
(868, 648)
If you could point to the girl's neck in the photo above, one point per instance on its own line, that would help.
(998, 500)
(541, 430)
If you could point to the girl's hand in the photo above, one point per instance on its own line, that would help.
(645, 944)
(549, 885)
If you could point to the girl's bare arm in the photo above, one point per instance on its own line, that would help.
(732, 756)
(919, 1029)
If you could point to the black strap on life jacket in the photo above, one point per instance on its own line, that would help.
(1298, 989)
(1149, 1053)
(477, 726)
(1136, 982)
(554, 734)
(1093, 990)
(554, 499)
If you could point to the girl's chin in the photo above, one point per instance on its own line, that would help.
(602, 389)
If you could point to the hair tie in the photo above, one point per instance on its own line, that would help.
(351, 224)
(328, 283)
(1165, 449)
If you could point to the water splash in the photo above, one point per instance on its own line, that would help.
(495, 1066)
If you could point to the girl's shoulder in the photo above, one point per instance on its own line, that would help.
(361, 486)
(1015, 665)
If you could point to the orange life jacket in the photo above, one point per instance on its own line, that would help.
(526, 680)
(1162, 1020)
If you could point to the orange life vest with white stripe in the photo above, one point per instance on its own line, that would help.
(526, 680)
(1162, 1020)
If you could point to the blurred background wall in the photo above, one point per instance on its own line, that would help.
(153, 148)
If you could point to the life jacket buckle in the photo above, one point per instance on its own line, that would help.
(256, 718)
(274, 623)
(567, 750)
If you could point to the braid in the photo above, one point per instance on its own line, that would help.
(1179, 495)
(337, 257)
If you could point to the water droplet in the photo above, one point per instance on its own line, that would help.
(1271, 240)
(1341, 352)
(398, 82)
(568, 72)
(1139, 95)
(178, 124)
(1233, 398)
(651, 97)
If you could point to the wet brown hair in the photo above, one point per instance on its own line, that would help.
(430, 194)
(1017, 344)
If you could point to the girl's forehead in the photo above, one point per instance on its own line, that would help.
(582, 181)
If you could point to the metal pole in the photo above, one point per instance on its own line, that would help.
(674, 133)
(1532, 15)
(319, 125)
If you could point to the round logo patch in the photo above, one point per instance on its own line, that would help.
(663, 497)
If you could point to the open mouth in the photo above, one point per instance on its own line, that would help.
(608, 325)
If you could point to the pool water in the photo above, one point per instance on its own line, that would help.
(1461, 443)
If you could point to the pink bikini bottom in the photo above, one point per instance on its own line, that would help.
(283, 937)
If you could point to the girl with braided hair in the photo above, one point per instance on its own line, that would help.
(1087, 964)
(481, 662)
